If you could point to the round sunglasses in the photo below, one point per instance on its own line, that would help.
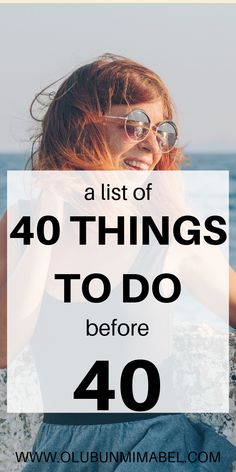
(137, 126)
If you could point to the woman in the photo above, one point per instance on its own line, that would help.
(115, 114)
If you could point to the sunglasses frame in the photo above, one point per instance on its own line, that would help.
(151, 127)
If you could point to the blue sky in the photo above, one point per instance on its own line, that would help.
(192, 47)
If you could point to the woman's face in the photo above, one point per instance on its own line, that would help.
(131, 155)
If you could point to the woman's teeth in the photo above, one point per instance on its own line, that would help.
(136, 164)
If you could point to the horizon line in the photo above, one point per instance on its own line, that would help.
(191, 151)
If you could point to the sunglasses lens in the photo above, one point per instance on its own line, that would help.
(137, 125)
(167, 136)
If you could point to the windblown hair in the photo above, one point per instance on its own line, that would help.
(70, 135)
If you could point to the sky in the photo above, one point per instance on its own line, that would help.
(192, 48)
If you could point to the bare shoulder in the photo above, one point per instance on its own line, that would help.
(3, 248)
(3, 236)
(3, 222)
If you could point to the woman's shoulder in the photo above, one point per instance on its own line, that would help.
(3, 233)
(3, 220)
(3, 248)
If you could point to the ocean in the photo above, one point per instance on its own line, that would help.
(195, 162)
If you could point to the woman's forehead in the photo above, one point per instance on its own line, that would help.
(153, 109)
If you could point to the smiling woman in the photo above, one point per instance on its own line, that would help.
(143, 144)
(111, 114)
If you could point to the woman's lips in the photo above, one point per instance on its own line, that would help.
(135, 164)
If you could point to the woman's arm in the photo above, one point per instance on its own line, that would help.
(232, 297)
(28, 268)
(24, 305)
(207, 275)
(3, 291)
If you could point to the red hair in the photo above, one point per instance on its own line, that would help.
(70, 137)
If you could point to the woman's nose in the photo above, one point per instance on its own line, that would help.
(150, 143)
